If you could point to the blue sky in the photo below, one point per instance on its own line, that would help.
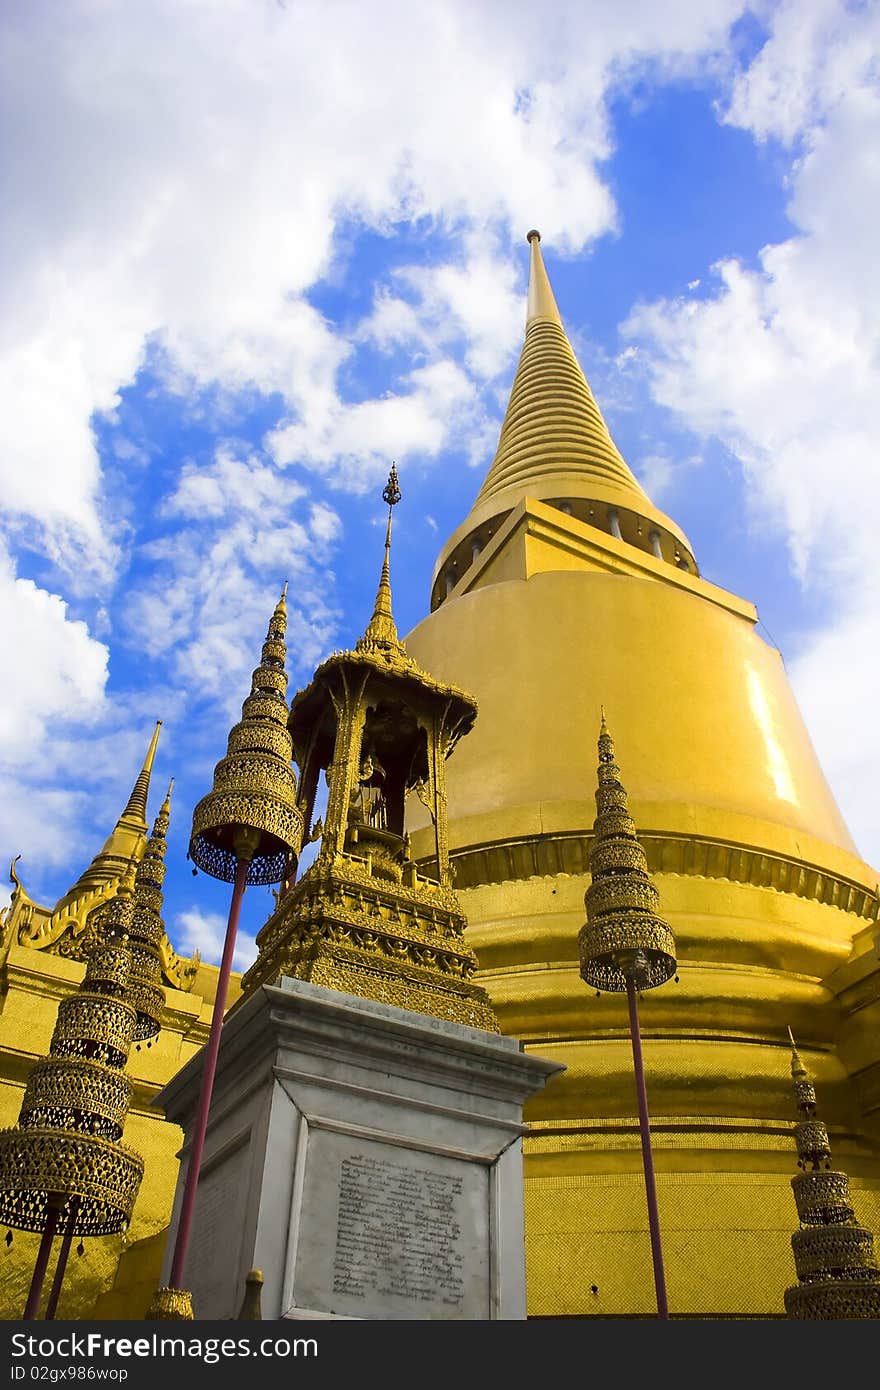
(255, 251)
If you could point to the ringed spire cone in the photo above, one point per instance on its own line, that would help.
(837, 1269)
(555, 445)
(251, 810)
(623, 934)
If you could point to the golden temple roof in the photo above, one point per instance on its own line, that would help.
(127, 838)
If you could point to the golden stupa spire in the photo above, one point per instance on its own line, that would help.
(381, 633)
(125, 841)
(838, 1274)
(555, 447)
(553, 433)
(623, 933)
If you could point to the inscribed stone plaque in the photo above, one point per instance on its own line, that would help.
(390, 1232)
(211, 1266)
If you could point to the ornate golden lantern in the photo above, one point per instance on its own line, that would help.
(837, 1269)
(248, 829)
(625, 946)
(62, 1167)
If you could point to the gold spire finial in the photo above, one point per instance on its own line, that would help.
(541, 302)
(382, 630)
(166, 804)
(797, 1067)
(603, 727)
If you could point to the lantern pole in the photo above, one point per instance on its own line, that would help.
(53, 1210)
(247, 829)
(625, 947)
(632, 999)
(246, 841)
(63, 1256)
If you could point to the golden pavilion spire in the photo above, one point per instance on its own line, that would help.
(838, 1274)
(126, 839)
(381, 634)
(556, 448)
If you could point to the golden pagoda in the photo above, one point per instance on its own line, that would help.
(564, 588)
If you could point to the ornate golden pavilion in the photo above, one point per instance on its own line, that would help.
(565, 589)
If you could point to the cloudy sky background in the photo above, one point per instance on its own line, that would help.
(255, 250)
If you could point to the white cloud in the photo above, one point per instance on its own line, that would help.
(353, 443)
(238, 529)
(178, 172)
(231, 486)
(55, 670)
(53, 688)
(836, 678)
(196, 930)
(782, 364)
(479, 301)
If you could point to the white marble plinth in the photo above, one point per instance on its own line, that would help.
(367, 1159)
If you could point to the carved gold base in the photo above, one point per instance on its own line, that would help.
(170, 1305)
(355, 972)
(345, 928)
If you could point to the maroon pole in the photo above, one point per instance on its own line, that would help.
(632, 999)
(63, 1256)
(33, 1298)
(188, 1201)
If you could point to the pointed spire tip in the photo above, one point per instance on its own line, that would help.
(541, 301)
